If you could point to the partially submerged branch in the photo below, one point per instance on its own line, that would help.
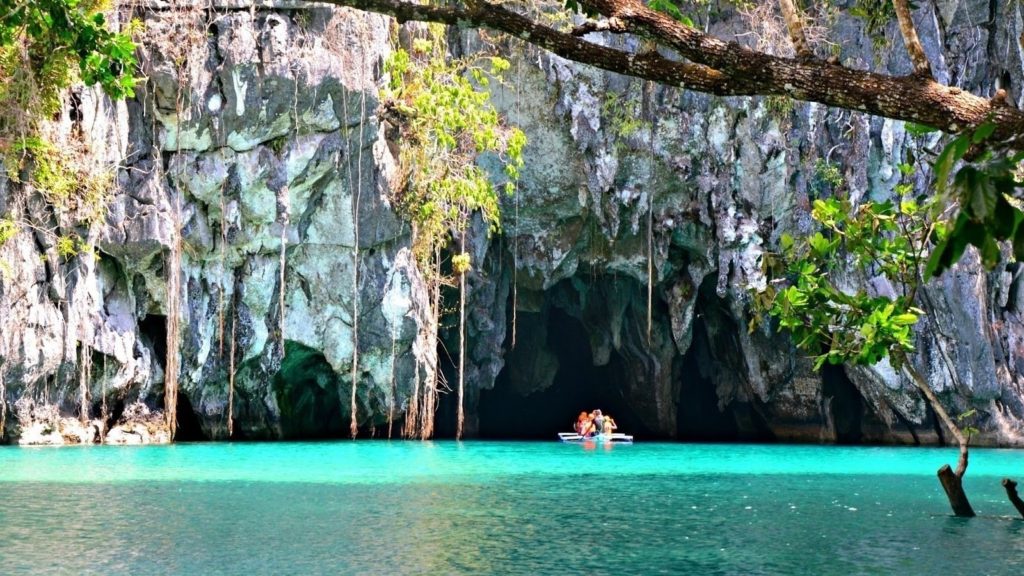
(1011, 493)
(952, 482)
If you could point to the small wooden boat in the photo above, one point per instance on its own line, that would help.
(613, 438)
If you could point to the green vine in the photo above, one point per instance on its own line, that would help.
(442, 109)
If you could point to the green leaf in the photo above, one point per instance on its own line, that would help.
(990, 253)
(785, 241)
(950, 155)
(982, 132)
(904, 319)
(915, 129)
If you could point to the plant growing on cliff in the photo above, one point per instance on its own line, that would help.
(45, 46)
(441, 109)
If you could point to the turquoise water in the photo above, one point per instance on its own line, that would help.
(500, 508)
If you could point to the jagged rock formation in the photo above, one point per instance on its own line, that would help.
(258, 125)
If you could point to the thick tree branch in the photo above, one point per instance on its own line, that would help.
(649, 66)
(609, 25)
(910, 40)
(729, 69)
(791, 14)
(913, 99)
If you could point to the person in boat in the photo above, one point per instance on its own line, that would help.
(582, 422)
(609, 426)
(598, 419)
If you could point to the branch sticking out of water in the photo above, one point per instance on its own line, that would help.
(1011, 493)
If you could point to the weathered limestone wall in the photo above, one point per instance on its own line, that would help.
(258, 123)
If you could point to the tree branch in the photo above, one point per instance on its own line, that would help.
(649, 66)
(729, 69)
(910, 40)
(791, 15)
(609, 25)
(912, 99)
(933, 401)
(1011, 493)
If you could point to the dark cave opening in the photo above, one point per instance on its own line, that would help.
(189, 429)
(578, 385)
(306, 388)
(846, 405)
(154, 328)
(698, 417)
(715, 353)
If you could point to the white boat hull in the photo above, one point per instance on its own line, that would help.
(614, 438)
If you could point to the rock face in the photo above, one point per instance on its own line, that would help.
(256, 131)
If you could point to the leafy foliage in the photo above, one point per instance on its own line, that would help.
(983, 189)
(876, 15)
(45, 45)
(446, 120)
(813, 299)
(671, 8)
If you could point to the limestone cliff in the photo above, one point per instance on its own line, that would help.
(257, 125)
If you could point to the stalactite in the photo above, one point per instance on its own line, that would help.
(84, 377)
(103, 401)
(394, 389)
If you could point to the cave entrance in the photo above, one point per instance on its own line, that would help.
(698, 417)
(188, 428)
(552, 341)
(715, 353)
(306, 388)
(153, 327)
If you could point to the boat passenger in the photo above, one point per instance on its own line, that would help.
(580, 421)
(609, 426)
(598, 419)
(587, 428)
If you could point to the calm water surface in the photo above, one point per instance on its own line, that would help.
(500, 508)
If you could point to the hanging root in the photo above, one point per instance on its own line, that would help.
(462, 341)
(173, 328)
(650, 215)
(231, 372)
(84, 377)
(283, 218)
(3, 403)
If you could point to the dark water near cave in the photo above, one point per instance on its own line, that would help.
(500, 508)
